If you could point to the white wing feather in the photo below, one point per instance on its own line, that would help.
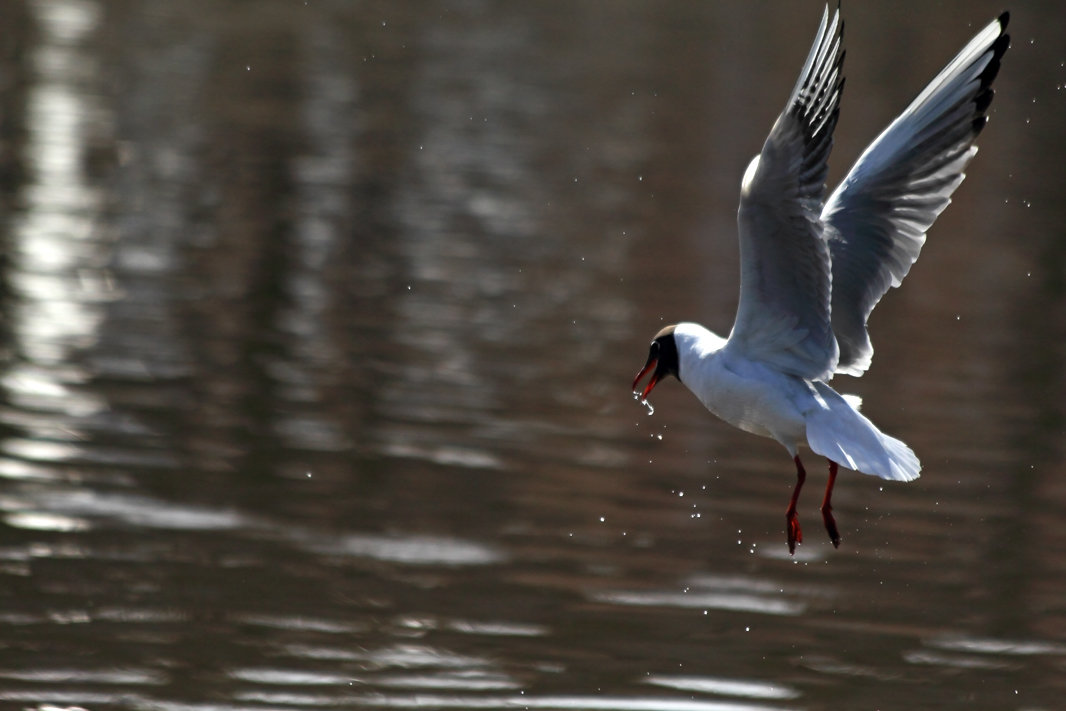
(783, 317)
(876, 220)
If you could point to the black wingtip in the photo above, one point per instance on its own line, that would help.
(1004, 18)
(1001, 45)
(999, 48)
(983, 100)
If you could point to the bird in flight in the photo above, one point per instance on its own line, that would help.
(812, 269)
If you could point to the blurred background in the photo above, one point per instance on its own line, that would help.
(317, 325)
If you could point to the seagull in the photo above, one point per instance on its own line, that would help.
(812, 269)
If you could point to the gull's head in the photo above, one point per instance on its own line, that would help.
(662, 360)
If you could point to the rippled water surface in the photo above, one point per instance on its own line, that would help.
(317, 324)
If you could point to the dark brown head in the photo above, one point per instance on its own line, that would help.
(662, 360)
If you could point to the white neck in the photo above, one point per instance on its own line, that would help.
(694, 344)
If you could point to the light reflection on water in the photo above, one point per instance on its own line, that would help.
(725, 687)
(317, 327)
(705, 600)
(563, 703)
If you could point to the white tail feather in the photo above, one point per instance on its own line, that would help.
(838, 431)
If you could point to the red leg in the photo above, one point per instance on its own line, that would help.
(792, 526)
(827, 506)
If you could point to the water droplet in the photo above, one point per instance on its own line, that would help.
(645, 403)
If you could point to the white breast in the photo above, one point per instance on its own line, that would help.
(746, 394)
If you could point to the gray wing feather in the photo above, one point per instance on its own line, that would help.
(783, 316)
(876, 220)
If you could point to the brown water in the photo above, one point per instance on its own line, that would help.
(318, 323)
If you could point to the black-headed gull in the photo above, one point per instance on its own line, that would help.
(813, 270)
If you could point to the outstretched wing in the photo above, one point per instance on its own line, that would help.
(783, 315)
(877, 218)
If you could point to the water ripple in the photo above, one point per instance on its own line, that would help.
(44, 521)
(555, 703)
(133, 510)
(465, 679)
(494, 629)
(725, 687)
(410, 550)
(301, 623)
(288, 676)
(93, 676)
(989, 645)
(954, 661)
(417, 656)
(764, 604)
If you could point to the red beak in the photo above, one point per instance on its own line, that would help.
(652, 362)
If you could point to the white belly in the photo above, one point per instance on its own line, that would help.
(751, 396)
